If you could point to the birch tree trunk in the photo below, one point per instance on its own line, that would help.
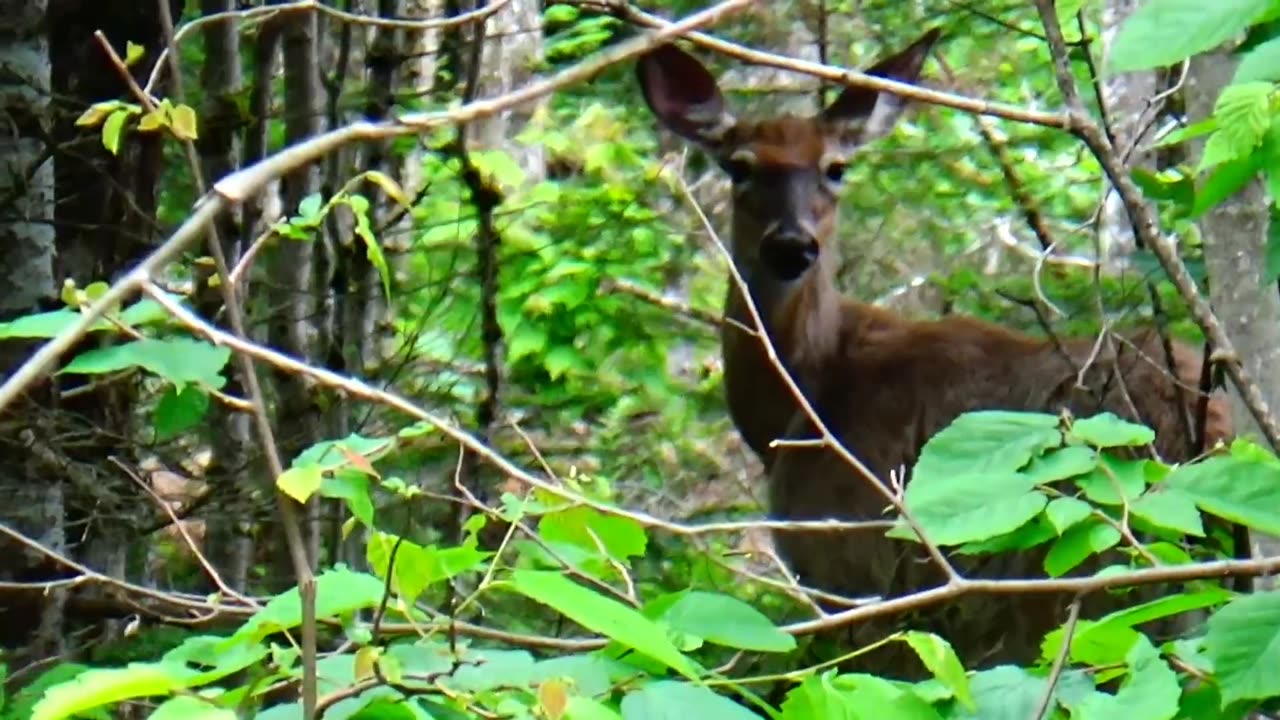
(1235, 245)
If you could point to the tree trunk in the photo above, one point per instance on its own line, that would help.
(1235, 245)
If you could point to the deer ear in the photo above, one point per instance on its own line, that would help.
(875, 113)
(683, 95)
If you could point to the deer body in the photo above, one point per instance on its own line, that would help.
(881, 383)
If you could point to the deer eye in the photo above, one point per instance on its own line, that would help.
(835, 171)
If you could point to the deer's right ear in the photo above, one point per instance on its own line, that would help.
(683, 95)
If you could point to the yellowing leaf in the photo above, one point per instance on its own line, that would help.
(366, 659)
(554, 698)
(184, 122)
(133, 53)
(153, 120)
(389, 186)
(300, 483)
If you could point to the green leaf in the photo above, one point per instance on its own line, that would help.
(1170, 509)
(353, 487)
(1061, 464)
(39, 325)
(418, 567)
(621, 538)
(1262, 63)
(1107, 430)
(1078, 544)
(1163, 32)
(603, 615)
(726, 621)
(1150, 691)
(1242, 488)
(1243, 113)
(310, 207)
(1116, 481)
(674, 700)
(113, 130)
(940, 658)
(984, 443)
(338, 591)
(583, 708)
(1005, 692)
(817, 697)
(967, 485)
(1066, 512)
(873, 697)
(179, 409)
(1225, 180)
(178, 360)
(1243, 642)
(98, 687)
(188, 707)
(300, 482)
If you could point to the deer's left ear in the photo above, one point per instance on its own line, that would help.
(873, 114)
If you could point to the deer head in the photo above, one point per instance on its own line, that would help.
(787, 171)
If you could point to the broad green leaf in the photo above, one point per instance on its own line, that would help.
(967, 485)
(817, 697)
(1225, 180)
(1187, 132)
(353, 487)
(674, 700)
(1078, 544)
(980, 508)
(338, 591)
(178, 360)
(1244, 490)
(1107, 430)
(1065, 512)
(584, 708)
(418, 567)
(301, 482)
(1243, 113)
(1038, 531)
(1116, 481)
(133, 52)
(179, 410)
(188, 707)
(1170, 509)
(39, 325)
(106, 686)
(1150, 691)
(984, 443)
(1061, 464)
(1243, 642)
(1262, 63)
(603, 615)
(1004, 692)
(726, 621)
(874, 697)
(1093, 643)
(622, 538)
(1163, 32)
(940, 658)
(21, 703)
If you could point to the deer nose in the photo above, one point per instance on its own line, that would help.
(788, 253)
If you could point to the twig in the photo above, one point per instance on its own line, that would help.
(847, 78)
(1146, 226)
(243, 184)
(1060, 660)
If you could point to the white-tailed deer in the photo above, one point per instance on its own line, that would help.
(884, 384)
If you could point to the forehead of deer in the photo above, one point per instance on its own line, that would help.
(792, 142)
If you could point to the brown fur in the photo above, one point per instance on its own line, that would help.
(884, 384)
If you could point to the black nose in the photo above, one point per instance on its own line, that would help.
(789, 253)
